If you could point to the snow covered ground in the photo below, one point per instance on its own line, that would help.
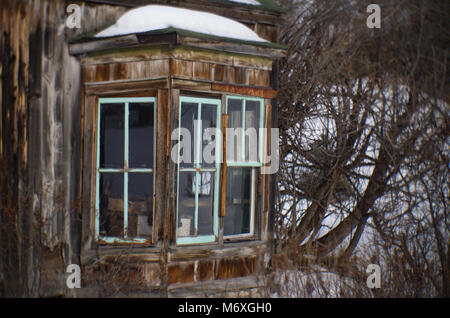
(157, 17)
(316, 283)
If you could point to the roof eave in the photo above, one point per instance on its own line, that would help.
(174, 37)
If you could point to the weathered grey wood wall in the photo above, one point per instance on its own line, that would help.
(40, 143)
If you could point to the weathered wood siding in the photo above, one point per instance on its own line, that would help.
(40, 143)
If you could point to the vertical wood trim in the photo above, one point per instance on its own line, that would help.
(172, 168)
(223, 171)
(161, 136)
(91, 155)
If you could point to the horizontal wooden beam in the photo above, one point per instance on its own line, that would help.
(245, 90)
(231, 47)
(103, 43)
(123, 88)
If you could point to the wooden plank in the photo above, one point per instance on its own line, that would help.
(179, 53)
(244, 90)
(129, 88)
(88, 171)
(205, 270)
(239, 48)
(223, 170)
(182, 68)
(124, 55)
(221, 58)
(202, 71)
(89, 73)
(236, 267)
(259, 78)
(181, 273)
(102, 72)
(172, 169)
(235, 75)
(139, 70)
(229, 250)
(182, 84)
(160, 194)
(215, 287)
(104, 253)
(103, 44)
(218, 72)
(268, 32)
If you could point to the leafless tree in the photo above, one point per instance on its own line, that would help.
(364, 132)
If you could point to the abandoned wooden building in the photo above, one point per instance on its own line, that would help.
(94, 119)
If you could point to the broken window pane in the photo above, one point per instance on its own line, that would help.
(112, 134)
(238, 201)
(111, 204)
(141, 128)
(140, 204)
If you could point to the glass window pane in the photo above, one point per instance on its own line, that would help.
(252, 117)
(234, 147)
(209, 124)
(238, 201)
(188, 114)
(206, 202)
(141, 130)
(140, 204)
(111, 204)
(186, 204)
(112, 135)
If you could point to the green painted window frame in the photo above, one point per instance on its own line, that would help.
(189, 240)
(126, 101)
(248, 164)
(244, 99)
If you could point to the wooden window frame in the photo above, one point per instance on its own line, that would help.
(213, 238)
(255, 166)
(126, 101)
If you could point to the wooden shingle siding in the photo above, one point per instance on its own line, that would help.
(158, 52)
(236, 267)
(181, 273)
(219, 73)
(182, 69)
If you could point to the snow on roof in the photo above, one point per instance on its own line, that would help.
(250, 2)
(157, 17)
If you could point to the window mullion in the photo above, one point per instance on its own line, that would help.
(197, 164)
(197, 190)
